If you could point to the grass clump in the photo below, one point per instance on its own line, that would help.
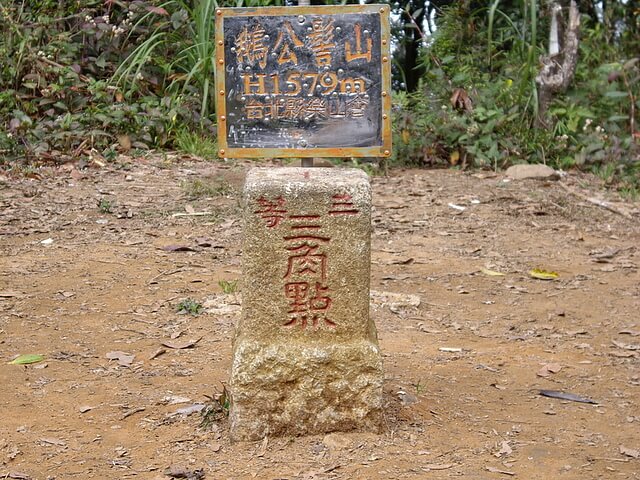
(188, 306)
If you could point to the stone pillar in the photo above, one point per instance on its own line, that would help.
(305, 356)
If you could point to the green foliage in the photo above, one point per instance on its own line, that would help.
(228, 286)
(216, 410)
(478, 101)
(195, 143)
(55, 60)
(78, 76)
(180, 32)
(104, 206)
(189, 306)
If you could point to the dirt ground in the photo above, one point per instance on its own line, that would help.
(94, 264)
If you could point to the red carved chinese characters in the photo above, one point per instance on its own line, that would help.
(271, 210)
(342, 205)
(305, 274)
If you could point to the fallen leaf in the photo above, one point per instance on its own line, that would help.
(633, 333)
(47, 241)
(497, 470)
(177, 248)
(157, 10)
(180, 345)
(625, 354)
(175, 400)
(157, 353)
(263, 447)
(189, 209)
(132, 411)
(84, 408)
(176, 471)
(460, 100)
(492, 273)
(125, 142)
(54, 441)
(18, 476)
(402, 262)
(456, 207)
(26, 359)
(505, 449)
(625, 346)
(186, 411)
(437, 466)
(11, 294)
(629, 452)
(548, 369)
(206, 242)
(543, 274)
(407, 398)
(566, 396)
(124, 359)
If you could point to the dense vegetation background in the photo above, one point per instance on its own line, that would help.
(85, 79)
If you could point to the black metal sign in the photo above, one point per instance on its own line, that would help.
(303, 81)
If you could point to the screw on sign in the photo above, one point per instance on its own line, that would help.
(305, 273)
(303, 81)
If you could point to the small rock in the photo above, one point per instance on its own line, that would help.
(535, 171)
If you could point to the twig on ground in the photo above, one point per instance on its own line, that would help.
(596, 201)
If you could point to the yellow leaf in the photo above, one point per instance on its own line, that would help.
(405, 136)
(26, 359)
(454, 157)
(543, 274)
(492, 273)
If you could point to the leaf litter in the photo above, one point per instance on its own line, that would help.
(450, 379)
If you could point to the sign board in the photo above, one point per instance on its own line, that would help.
(311, 81)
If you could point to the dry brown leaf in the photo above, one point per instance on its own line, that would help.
(11, 294)
(437, 466)
(180, 345)
(157, 353)
(629, 452)
(633, 333)
(497, 470)
(125, 142)
(124, 359)
(177, 248)
(263, 447)
(18, 476)
(548, 369)
(625, 346)
(505, 449)
(54, 441)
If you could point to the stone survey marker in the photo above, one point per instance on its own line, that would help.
(303, 81)
(306, 357)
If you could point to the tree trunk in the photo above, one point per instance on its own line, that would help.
(558, 69)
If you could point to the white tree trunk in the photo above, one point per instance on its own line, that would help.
(559, 66)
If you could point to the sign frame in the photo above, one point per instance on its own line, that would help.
(228, 151)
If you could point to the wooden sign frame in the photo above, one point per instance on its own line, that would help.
(309, 81)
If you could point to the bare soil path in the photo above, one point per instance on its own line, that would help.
(93, 265)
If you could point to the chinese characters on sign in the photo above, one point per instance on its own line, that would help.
(305, 273)
(303, 81)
